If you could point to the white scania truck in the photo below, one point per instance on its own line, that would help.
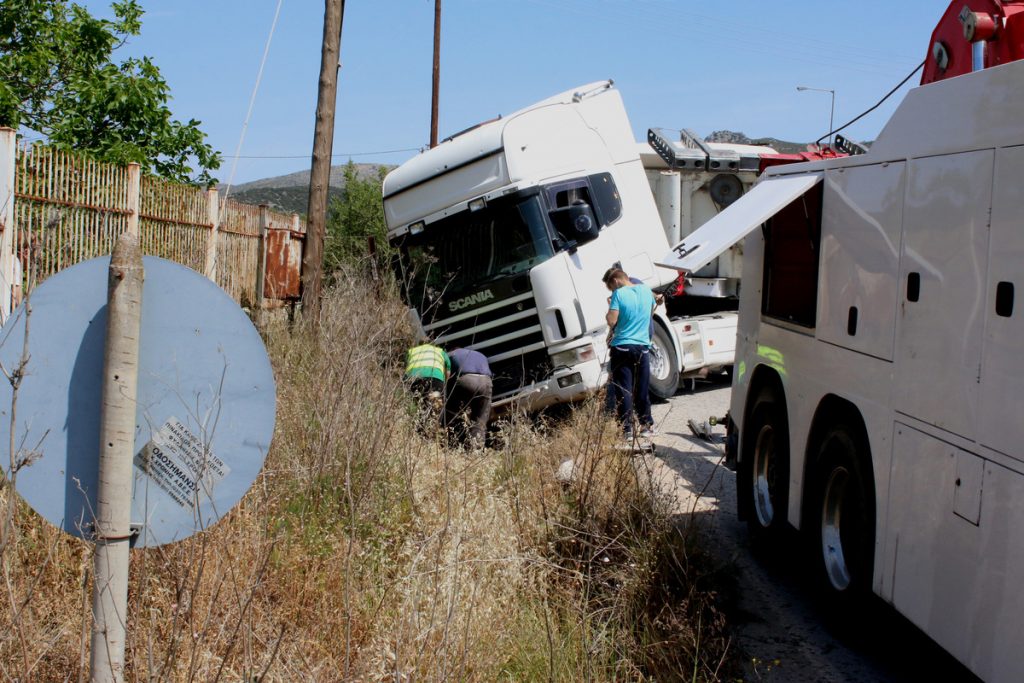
(504, 230)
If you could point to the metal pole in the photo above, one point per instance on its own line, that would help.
(831, 116)
(832, 111)
(112, 529)
(320, 173)
(436, 88)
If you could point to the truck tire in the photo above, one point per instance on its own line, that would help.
(664, 368)
(764, 468)
(844, 515)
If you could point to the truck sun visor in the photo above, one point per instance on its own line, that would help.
(712, 239)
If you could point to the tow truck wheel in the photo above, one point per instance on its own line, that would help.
(664, 368)
(844, 528)
(765, 468)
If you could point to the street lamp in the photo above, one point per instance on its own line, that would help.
(832, 111)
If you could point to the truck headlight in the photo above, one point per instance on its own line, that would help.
(569, 380)
(573, 356)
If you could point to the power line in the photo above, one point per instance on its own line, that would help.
(339, 154)
(252, 99)
(876, 106)
(799, 48)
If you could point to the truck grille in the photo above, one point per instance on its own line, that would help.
(507, 332)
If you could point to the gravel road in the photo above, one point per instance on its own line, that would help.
(783, 631)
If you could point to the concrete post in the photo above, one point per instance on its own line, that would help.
(261, 257)
(213, 216)
(8, 157)
(117, 444)
(134, 197)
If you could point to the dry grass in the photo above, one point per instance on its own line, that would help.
(367, 552)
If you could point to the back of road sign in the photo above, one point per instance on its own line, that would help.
(206, 401)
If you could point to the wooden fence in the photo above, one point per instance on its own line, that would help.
(59, 208)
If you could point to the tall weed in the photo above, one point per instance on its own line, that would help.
(367, 551)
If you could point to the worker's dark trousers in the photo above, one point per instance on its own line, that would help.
(469, 392)
(630, 385)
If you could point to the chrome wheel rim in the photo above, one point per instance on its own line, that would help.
(658, 360)
(764, 475)
(834, 497)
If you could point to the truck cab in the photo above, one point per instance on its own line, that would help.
(503, 232)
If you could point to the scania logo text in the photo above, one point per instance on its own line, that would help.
(471, 300)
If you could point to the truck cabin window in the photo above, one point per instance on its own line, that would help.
(579, 208)
(792, 240)
(459, 253)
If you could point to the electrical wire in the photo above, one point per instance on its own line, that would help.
(877, 104)
(252, 101)
(339, 154)
(708, 30)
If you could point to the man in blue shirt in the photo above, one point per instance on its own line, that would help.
(629, 332)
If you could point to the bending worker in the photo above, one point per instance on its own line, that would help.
(469, 391)
(629, 325)
(426, 370)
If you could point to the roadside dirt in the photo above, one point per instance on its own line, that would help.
(779, 626)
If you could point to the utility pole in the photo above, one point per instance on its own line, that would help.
(320, 172)
(435, 92)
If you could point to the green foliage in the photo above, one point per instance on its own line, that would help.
(354, 218)
(57, 78)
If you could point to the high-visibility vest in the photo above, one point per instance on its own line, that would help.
(427, 361)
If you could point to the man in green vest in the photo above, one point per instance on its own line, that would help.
(426, 371)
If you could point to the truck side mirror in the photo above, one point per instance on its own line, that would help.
(577, 220)
(584, 223)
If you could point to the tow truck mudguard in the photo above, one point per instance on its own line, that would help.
(732, 441)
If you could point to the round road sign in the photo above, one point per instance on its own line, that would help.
(205, 412)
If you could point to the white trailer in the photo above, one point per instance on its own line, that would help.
(878, 384)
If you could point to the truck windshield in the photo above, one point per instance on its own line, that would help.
(506, 238)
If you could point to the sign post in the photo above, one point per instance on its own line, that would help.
(112, 526)
(151, 421)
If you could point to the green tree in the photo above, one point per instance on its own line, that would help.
(354, 218)
(57, 79)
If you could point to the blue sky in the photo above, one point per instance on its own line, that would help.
(678, 64)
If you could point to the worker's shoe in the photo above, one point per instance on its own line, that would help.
(648, 433)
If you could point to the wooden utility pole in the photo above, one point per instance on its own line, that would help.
(320, 172)
(435, 92)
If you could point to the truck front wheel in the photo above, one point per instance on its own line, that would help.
(664, 368)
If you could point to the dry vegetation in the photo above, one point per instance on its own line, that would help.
(366, 551)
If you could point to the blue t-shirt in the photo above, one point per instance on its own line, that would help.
(634, 305)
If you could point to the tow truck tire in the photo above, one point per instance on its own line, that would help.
(764, 468)
(664, 368)
(844, 515)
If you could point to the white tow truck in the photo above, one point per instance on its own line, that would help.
(504, 230)
(878, 384)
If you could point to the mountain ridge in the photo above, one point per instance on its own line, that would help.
(290, 192)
